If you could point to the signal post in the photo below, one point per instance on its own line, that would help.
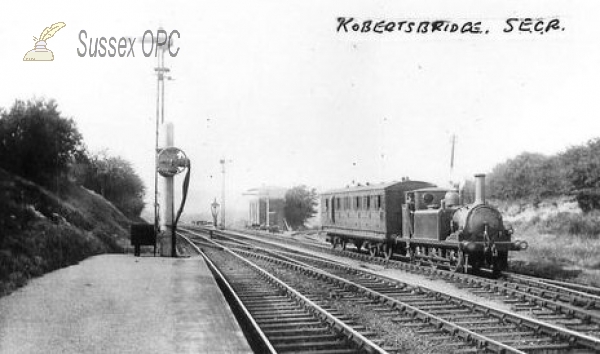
(167, 195)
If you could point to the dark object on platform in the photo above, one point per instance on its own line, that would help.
(142, 235)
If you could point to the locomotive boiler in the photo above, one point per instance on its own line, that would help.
(421, 222)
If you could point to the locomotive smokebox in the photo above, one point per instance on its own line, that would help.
(479, 189)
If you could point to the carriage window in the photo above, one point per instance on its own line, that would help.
(378, 202)
(326, 204)
(368, 202)
(357, 203)
(337, 200)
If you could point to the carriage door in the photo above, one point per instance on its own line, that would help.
(333, 209)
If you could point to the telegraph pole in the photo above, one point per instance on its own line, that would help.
(267, 209)
(222, 161)
(452, 153)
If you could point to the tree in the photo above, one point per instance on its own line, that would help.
(581, 165)
(300, 205)
(115, 179)
(36, 142)
(528, 175)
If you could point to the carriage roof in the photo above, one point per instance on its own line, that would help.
(402, 186)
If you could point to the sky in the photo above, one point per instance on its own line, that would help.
(274, 89)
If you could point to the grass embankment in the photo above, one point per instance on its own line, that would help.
(41, 231)
(564, 243)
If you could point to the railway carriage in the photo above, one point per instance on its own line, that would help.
(369, 216)
(421, 222)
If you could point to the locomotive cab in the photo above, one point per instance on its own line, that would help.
(426, 214)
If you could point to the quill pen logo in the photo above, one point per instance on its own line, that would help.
(40, 52)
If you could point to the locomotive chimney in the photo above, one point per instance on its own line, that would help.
(479, 188)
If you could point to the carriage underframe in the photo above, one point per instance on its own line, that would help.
(465, 257)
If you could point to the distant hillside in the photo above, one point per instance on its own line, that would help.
(42, 230)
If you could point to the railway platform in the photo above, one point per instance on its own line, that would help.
(121, 304)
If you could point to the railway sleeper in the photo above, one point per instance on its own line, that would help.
(403, 319)
(275, 310)
(429, 331)
(327, 351)
(448, 311)
(283, 319)
(271, 309)
(276, 333)
(308, 324)
(465, 351)
(581, 327)
(305, 338)
(438, 307)
(294, 347)
(417, 325)
(525, 335)
(425, 302)
(250, 299)
(443, 338)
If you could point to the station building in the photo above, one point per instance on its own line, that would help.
(266, 198)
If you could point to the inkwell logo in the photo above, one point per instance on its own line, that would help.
(40, 52)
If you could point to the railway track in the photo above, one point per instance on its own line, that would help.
(278, 317)
(552, 302)
(452, 324)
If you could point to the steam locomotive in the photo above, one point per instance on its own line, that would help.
(422, 222)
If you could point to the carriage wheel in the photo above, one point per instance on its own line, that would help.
(334, 242)
(410, 253)
(373, 250)
(358, 245)
(457, 265)
(343, 244)
(387, 251)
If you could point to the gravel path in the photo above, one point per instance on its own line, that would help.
(121, 304)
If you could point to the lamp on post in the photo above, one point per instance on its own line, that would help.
(214, 209)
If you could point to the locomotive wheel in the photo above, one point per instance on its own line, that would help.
(432, 254)
(476, 265)
(458, 265)
(387, 251)
(499, 263)
(419, 251)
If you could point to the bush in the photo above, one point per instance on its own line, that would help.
(582, 225)
(44, 248)
(36, 142)
(115, 179)
(588, 200)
